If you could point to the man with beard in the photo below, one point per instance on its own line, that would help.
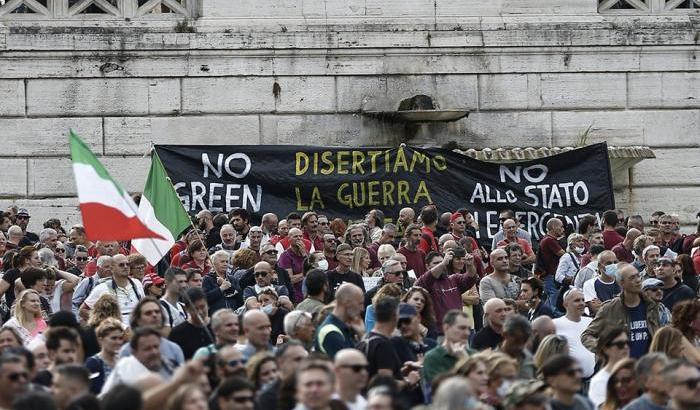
(144, 360)
(240, 219)
(228, 240)
(254, 239)
(22, 220)
(311, 231)
(62, 344)
(415, 257)
(269, 227)
(391, 273)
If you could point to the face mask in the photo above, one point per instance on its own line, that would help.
(579, 250)
(268, 309)
(503, 389)
(323, 264)
(611, 270)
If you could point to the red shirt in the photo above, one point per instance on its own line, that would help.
(527, 249)
(549, 248)
(622, 253)
(307, 244)
(414, 260)
(611, 238)
(427, 240)
(318, 242)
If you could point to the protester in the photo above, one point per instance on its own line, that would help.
(612, 347)
(563, 374)
(649, 371)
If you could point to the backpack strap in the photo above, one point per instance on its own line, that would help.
(164, 304)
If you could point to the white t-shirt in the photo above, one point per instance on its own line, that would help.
(126, 296)
(359, 404)
(598, 387)
(572, 332)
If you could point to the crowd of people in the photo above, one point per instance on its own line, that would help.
(308, 312)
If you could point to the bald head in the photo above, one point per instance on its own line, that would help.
(554, 224)
(253, 317)
(493, 304)
(347, 357)
(632, 234)
(347, 291)
(295, 232)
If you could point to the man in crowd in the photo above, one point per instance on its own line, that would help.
(515, 261)
(62, 344)
(343, 326)
(240, 219)
(78, 260)
(193, 333)
(604, 286)
(292, 260)
(623, 250)
(294, 222)
(650, 255)
(289, 358)
(70, 382)
(675, 291)
(175, 284)
(388, 235)
(454, 346)
(310, 223)
(563, 374)
(330, 244)
(317, 291)
(610, 235)
(224, 325)
(516, 333)
(635, 222)
(234, 393)
(14, 237)
(314, 387)
(299, 326)
(229, 362)
(351, 378)
(407, 217)
(503, 216)
(105, 265)
(342, 273)
(257, 329)
(550, 252)
(530, 299)
(14, 379)
(228, 240)
(571, 325)
(640, 317)
(649, 370)
(429, 217)
(491, 335)
(415, 257)
(510, 229)
(269, 226)
(22, 220)
(684, 381)
(263, 273)
(391, 273)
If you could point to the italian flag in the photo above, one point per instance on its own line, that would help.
(109, 213)
(160, 208)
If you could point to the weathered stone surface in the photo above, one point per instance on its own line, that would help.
(14, 177)
(678, 166)
(103, 96)
(509, 91)
(54, 176)
(11, 97)
(663, 128)
(135, 135)
(583, 90)
(499, 129)
(305, 94)
(65, 209)
(679, 200)
(48, 136)
(228, 95)
(656, 90)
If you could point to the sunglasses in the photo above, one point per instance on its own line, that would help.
(620, 345)
(234, 363)
(355, 367)
(242, 399)
(260, 274)
(13, 377)
(270, 253)
(460, 222)
(122, 265)
(60, 250)
(323, 223)
(21, 217)
(691, 384)
(81, 258)
(404, 322)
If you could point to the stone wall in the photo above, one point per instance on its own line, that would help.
(532, 73)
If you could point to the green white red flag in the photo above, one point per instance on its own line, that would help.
(160, 208)
(109, 213)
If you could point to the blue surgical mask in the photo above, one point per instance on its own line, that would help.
(323, 264)
(611, 270)
(268, 309)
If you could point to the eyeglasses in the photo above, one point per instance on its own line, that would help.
(272, 252)
(242, 399)
(81, 258)
(260, 274)
(652, 222)
(13, 377)
(620, 344)
(122, 265)
(60, 250)
(691, 384)
(355, 367)
(323, 223)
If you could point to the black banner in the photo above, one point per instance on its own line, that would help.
(348, 182)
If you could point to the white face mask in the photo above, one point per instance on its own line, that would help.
(268, 309)
(579, 250)
(503, 388)
(323, 264)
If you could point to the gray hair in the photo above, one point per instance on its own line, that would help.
(517, 324)
(103, 259)
(646, 362)
(218, 317)
(389, 228)
(14, 230)
(221, 254)
(386, 248)
(650, 248)
(292, 321)
(453, 394)
(47, 257)
(46, 233)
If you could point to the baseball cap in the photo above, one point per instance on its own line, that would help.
(407, 311)
(652, 283)
(152, 279)
(267, 248)
(521, 390)
(22, 212)
(456, 216)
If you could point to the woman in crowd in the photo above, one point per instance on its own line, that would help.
(242, 260)
(110, 336)
(622, 386)
(668, 340)
(570, 262)
(361, 261)
(199, 257)
(420, 298)
(188, 397)
(220, 286)
(9, 337)
(153, 285)
(385, 252)
(338, 228)
(474, 369)
(27, 317)
(613, 346)
(550, 346)
(687, 271)
(26, 258)
(686, 318)
(390, 289)
(261, 369)
(37, 279)
(137, 266)
(502, 370)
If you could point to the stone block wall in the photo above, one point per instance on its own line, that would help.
(531, 73)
